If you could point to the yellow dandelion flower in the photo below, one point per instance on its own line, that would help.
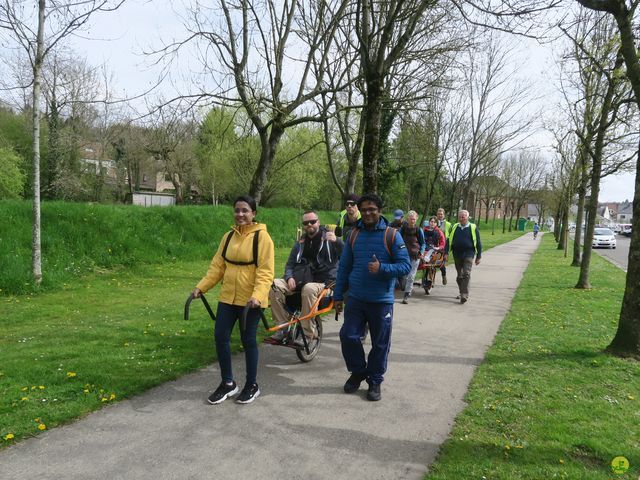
(72, 374)
(42, 426)
(41, 387)
(9, 436)
(104, 399)
(86, 390)
(112, 396)
(562, 461)
(24, 389)
(33, 387)
(126, 344)
(25, 399)
(37, 420)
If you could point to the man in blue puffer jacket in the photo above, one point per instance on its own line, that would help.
(372, 258)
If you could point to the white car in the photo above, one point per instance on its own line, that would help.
(603, 237)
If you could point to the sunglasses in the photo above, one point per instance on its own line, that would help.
(351, 204)
(309, 222)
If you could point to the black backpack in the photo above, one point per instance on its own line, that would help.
(255, 250)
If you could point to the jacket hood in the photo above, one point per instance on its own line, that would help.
(246, 229)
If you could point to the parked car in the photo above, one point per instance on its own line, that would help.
(603, 237)
(626, 230)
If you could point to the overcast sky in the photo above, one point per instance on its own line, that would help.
(119, 39)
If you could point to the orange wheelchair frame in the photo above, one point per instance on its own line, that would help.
(293, 329)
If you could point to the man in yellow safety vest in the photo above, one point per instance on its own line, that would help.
(464, 242)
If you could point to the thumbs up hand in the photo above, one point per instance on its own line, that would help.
(374, 264)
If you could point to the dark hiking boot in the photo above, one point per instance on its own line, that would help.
(373, 394)
(353, 383)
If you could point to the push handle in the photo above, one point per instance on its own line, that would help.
(243, 319)
(206, 305)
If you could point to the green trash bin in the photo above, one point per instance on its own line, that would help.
(522, 222)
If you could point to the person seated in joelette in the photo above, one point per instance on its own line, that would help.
(313, 263)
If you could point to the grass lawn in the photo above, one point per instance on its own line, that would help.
(102, 338)
(546, 402)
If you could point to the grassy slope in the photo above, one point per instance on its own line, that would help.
(78, 238)
(546, 402)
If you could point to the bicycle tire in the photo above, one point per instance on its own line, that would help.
(314, 346)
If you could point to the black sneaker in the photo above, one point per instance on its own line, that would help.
(463, 299)
(249, 393)
(353, 383)
(223, 392)
(374, 393)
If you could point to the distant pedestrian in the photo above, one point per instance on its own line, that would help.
(244, 263)
(373, 257)
(398, 219)
(536, 229)
(413, 237)
(465, 245)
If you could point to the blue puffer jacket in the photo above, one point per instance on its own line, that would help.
(353, 272)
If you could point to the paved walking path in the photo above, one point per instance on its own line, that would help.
(303, 425)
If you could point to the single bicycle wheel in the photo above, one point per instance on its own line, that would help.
(314, 346)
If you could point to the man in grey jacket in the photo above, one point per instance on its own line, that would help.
(317, 252)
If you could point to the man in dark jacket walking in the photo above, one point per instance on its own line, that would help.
(464, 242)
(317, 254)
(373, 257)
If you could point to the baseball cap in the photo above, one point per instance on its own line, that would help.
(398, 214)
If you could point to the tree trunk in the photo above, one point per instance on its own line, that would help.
(627, 339)
(564, 231)
(493, 225)
(577, 236)
(269, 145)
(36, 256)
(53, 154)
(562, 239)
(596, 172)
(371, 147)
(356, 151)
(556, 224)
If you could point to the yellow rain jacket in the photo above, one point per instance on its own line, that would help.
(241, 282)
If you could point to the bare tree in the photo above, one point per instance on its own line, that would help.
(28, 31)
(495, 109)
(264, 53)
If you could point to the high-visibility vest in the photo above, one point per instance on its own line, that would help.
(343, 216)
(447, 228)
(474, 237)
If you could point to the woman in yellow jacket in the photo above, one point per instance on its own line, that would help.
(246, 267)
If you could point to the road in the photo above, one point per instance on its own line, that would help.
(619, 256)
